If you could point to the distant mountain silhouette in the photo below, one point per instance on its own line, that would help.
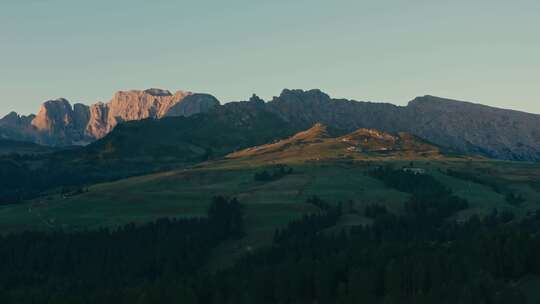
(460, 126)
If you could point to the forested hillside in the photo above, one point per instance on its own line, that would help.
(420, 256)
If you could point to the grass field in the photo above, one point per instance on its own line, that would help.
(188, 192)
(269, 205)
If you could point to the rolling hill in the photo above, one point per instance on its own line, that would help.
(324, 163)
(316, 144)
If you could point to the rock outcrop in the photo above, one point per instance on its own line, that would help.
(98, 123)
(474, 128)
(17, 127)
(191, 104)
(60, 124)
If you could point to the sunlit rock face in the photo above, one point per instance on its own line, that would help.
(155, 104)
(54, 116)
(97, 124)
(60, 124)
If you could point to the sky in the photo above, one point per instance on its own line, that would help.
(381, 50)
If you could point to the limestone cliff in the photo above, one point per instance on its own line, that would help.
(58, 123)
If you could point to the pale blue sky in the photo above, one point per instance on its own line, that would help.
(482, 51)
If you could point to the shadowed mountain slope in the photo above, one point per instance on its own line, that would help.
(216, 133)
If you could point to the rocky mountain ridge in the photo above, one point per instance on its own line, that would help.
(58, 123)
(461, 126)
(458, 126)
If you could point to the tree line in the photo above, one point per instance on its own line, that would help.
(430, 199)
(418, 256)
(395, 260)
(61, 267)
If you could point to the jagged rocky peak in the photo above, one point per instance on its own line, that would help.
(55, 105)
(81, 115)
(305, 108)
(14, 119)
(136, 105)
(58, 123)
(151, 92)
(256, 99)
(16, 127)
(11, 116)
(193, 104)
(157, 92)
(303, 96)
(53, 114)
(97, 124)
(151, 103)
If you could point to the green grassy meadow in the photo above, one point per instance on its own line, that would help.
(188, 192)
(269, 205)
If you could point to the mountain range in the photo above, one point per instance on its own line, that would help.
(462, 126)
(58, 123)
(196, 123)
